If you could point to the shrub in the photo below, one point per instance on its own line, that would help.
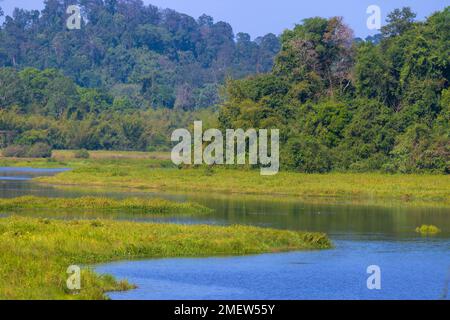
(81, 154)
(15, 151)
(39, 150)
(389, 168)
(307, 154)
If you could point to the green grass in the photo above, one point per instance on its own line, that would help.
(428, 229)
(35, 253)
(148, 206)
(411, 189)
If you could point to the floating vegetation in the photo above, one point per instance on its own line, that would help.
(427, 229)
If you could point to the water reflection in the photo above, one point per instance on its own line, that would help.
(345, 219)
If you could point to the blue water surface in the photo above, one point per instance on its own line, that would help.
(410, 269)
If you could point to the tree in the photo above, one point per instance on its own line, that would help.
(125, 39)
(419, 148)
(372, 74)
(184, 99)
(317, 47)
(398, 22)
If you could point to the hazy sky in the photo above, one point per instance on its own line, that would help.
(258, 17)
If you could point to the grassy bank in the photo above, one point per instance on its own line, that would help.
(35, 254)
(423, 189)
(153, 171)
(65, 158)
(148, 206)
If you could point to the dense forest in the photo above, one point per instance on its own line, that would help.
(150, 56)
(134, 73)
(350, 105)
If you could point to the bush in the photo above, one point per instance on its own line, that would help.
(81, 154)
(389, 168)
(15, 151)
(39, 150)
(306, 154)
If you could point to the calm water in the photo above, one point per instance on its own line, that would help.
(412, 267)
(416, 269)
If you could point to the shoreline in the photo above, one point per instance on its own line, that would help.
(157, 174)
(363, 200)
(53, 246)
(409, 190)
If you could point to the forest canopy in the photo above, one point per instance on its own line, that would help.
(152, 57)
(354, 105)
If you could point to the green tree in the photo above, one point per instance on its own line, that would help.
(398, 22)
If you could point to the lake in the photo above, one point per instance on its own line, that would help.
(412, 266)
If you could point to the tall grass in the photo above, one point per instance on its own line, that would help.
(151, 171)
(150, 206)
(420, 189)
(35, 253)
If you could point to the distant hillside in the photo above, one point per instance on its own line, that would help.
(148, 56)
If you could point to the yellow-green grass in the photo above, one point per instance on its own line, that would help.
(63, 155)
(35, 254)
(65, 159)
(420, 189)
(154, 173)
(428, 229)
(148, 206)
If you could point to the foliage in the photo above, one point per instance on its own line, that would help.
(37, 150)
(140, 130)
(146, 56)
(341, 104)
(15, 151)
(81, 154)
(354, 105)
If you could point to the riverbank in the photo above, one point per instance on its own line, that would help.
(35, 253)
(147, 206)
(155, 172)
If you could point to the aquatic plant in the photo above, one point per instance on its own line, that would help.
(427, 229)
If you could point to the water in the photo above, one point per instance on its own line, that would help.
(416, 269)
(412, 266)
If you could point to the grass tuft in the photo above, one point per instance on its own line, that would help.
(427, 229)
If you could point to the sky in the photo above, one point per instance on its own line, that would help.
(259, 17)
